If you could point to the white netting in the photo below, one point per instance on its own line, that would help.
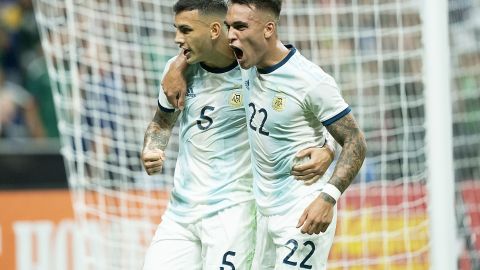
(105, 58)
(374, 50)
(465, 59)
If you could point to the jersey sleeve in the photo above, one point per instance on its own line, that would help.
(163, 103)
(326, 103)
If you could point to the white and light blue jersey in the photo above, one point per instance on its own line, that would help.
(213, 169)
(288, 106)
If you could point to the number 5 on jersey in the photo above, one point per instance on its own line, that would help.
(201, 122)
(226, 262)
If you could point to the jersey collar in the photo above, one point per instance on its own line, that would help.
(279, 64)
(219, 70)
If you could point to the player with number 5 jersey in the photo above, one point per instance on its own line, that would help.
(209, 222)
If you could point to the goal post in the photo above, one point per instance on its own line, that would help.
(438, 107)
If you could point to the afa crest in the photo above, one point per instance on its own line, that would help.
(236, 99)
(278, 103)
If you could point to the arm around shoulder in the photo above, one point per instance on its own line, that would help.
(174, 83)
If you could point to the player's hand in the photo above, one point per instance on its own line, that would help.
(317, 216)
(153, 160)
(310, 171)
(174, 84)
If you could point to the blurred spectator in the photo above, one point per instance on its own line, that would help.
(27, 31)
(37, 83)
(27, 108)
(18, 112)
(10, 21)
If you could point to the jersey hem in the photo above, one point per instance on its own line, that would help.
(191, 219)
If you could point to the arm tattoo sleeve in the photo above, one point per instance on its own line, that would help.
(328, 198)
(159, 130)
(347, 133)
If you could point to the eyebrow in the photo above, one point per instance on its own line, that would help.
(182, 26)
(236, 23)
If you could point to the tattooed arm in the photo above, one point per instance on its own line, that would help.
(156, 140)
(347, 133)
(319, 214)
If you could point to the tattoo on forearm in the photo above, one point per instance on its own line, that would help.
(346, 133)
(328, 198)
(159, 130)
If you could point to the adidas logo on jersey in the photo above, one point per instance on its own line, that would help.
(247, 84)
(190, 92)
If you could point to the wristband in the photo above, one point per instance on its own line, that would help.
(332, 191)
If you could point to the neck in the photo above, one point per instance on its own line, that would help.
(275, 53)
(221, 56)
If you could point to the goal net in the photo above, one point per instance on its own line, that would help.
(465, 67)
(105, 58)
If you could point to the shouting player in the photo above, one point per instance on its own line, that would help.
(210, 219)
(290, 102)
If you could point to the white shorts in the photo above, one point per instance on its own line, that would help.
(281, 246)
(223, 241)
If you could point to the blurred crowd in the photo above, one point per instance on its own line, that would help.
(372, 66)
(26, 102)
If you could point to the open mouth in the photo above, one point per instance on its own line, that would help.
(238, 52)
(186, 52)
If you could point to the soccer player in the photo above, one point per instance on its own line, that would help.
(210, 219)
(290, 102)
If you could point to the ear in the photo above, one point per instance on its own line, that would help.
(269, 29)
(215, 30)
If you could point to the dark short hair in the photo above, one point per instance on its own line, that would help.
(204, 7)
(274, 6)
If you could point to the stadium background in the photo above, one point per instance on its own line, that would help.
(385, 220)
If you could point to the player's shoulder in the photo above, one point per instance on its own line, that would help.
(309, 71)
(306, 66)
(311, 80)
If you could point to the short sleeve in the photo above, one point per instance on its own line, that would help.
(326, 103)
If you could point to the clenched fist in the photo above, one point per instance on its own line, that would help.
(153, 160)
